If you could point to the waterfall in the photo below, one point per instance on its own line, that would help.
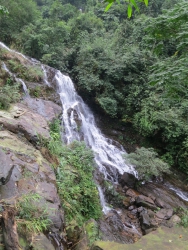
(17, 79)
(45, 78)
(79, 124)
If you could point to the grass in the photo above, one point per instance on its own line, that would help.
(32, 217)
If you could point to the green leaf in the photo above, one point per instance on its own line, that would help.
(134, 4)
(108, 6)
(146, 2)
(129, 11)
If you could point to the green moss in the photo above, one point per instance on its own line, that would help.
(92, 231)
(163, 238)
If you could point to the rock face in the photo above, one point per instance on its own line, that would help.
(25, 121)
(24, 170)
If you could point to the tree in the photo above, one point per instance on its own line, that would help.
(21, 13)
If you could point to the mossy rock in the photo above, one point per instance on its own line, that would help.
(163, 238)
(90, 233)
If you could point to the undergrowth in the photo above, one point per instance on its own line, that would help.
(9, 93)
(32, 216)
(183, 214)
(77, 190)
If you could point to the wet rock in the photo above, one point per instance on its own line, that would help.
(132, 193)
(6, 167)
(48, 109)
(168, 199)
(145, 220)
(140, 209)
(164, 214)
(112, 228)
(144, 201)
(151, 214)
(128, 180)
(134, 211)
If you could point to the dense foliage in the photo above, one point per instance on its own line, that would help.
(133, 70)
(147, 163)
(74, 174)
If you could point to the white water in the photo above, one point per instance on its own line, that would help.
(182, 194)
(17, 79)
(45, 78)
(104, 206)
(79, 124)
(12, 51)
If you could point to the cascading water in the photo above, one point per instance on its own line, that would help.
(79, 124)
(17, 79)
(12, 51)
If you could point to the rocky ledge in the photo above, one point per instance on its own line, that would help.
(25, 172)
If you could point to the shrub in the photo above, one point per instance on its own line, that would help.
(147, 163)
(9, 94)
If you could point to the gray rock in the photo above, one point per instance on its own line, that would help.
(175, 219)
(159, 203)
(6, 167)
(144, 201)
(164, 214)
(145, 221)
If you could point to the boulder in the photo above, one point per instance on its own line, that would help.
(164, 214)
(132, 193)
(165, 198)
(145, 220)
(174, 220)
(127, 179)
(144, 201)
